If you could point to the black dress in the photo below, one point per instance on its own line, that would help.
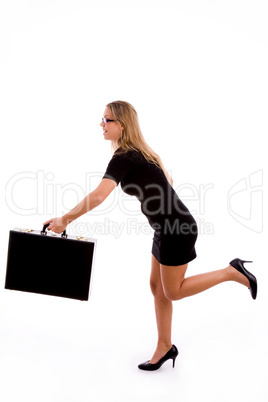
(175, 230)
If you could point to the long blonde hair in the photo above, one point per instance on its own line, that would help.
(132, 137)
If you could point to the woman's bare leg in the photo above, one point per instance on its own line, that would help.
(176, 286)
(163, 312)
(169, 283)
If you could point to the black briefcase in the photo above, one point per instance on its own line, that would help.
(49, 263)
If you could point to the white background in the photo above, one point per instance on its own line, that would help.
(196, 72)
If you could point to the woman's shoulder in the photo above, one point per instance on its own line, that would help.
(130, 153)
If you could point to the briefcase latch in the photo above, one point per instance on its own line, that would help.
(26, 230)
(81, 238)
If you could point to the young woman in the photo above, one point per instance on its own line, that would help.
(141, 173)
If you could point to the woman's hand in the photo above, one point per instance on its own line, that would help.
(57, 225)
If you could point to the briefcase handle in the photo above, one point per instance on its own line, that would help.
(44, 232)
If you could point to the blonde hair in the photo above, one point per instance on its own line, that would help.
(132, 137)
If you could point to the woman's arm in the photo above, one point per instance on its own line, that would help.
(91, 201)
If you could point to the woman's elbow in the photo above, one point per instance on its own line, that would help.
(97, 200)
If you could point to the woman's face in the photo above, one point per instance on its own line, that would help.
(112, 130)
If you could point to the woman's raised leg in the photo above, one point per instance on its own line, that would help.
(176, 286)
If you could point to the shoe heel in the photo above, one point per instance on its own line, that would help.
(174, 361)
(239, 266)
(243, 262)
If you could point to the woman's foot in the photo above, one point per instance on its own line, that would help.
(172, 354)
(237, 276)
(249, 279)
(160, 351)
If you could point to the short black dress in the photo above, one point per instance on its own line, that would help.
(175, 230)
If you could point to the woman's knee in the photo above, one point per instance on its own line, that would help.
(172, 279)
(156, 288)
(168, 292)
(173, 293)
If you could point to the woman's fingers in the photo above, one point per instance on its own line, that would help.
(50, 222)
(47, 222)
(56, 225)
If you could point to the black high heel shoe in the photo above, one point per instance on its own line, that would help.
(239, 265)
(171, 354)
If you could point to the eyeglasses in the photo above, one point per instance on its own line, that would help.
(106, 120)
